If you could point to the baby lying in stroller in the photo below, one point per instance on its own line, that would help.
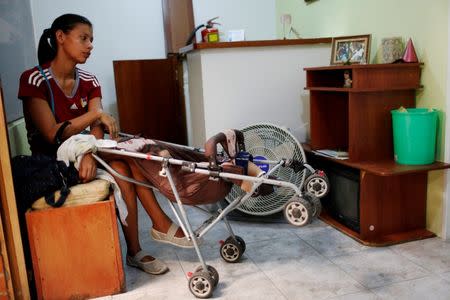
(196, 188)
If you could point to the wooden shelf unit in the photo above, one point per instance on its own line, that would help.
(392, 197)
(358, 119)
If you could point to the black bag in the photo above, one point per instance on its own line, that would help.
(40, 175)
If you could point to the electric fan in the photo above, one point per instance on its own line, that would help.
(273, 143)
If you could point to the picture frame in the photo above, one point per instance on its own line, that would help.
(392, 49)
(350, 49)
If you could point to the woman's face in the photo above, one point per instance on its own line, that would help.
(77, 43)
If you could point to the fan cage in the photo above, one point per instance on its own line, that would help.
(273, 143)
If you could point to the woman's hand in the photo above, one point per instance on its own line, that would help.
(88, 168)
(110, 123)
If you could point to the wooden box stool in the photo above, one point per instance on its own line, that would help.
(76, 251)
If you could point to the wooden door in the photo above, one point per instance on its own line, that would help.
(178, 23)
(150, 98)
(12, 260)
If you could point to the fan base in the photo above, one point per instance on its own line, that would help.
(237, 215)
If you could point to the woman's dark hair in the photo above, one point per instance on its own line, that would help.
(47, 47)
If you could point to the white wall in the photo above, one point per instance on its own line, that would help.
(256, 17)
(237, 87)
(122, 30)
(134, 29)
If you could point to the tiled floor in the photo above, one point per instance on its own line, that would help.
(285, 262)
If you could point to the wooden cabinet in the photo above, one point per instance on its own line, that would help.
(76, 251)
(390, 198)
(150, 98)
(358, 119)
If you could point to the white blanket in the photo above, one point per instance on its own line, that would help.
(73, 149)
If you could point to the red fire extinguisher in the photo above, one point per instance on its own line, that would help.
(210, 34)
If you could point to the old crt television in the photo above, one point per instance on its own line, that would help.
(342, 202)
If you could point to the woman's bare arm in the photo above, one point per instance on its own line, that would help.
(96, 127)
(45, 122)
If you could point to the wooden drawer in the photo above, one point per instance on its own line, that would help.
(76, 251)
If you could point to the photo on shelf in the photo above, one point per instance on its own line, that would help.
(392, 49)
(350, 50)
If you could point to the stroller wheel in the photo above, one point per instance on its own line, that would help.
(315, 203)
(317, 185)
(298, 211)
(231, 250)
(212, 272)
(241, 242)
(201, 285)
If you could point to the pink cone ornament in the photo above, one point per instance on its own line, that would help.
(410, 53)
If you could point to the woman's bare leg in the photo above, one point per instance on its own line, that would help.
(128, 191)
(160, 220)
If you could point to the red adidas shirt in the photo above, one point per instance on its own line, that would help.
(67, 107)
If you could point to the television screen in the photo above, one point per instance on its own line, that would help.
(343, 200)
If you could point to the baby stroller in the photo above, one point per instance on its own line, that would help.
(186, 175)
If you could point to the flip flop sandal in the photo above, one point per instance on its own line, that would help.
(154, 267)
(170, 238)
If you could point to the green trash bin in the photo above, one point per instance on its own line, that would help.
(414, 136)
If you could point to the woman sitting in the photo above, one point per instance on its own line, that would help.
(61, 100)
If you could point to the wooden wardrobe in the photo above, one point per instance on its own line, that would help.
(150, 99)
